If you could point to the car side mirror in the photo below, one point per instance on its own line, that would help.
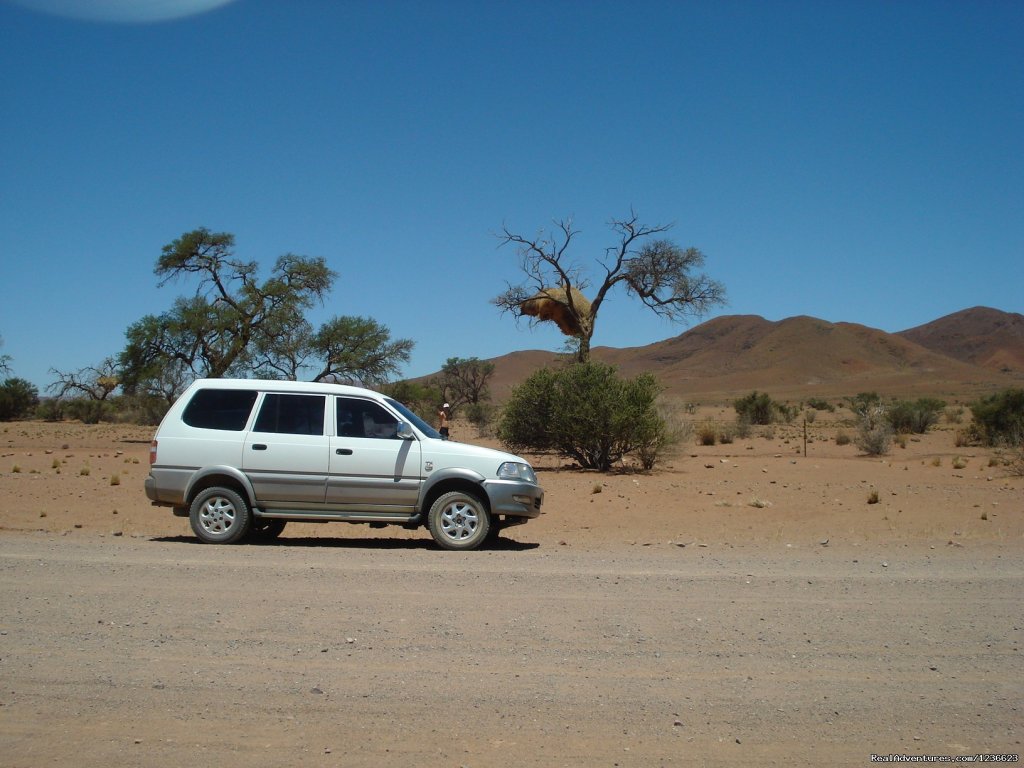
(405, 431)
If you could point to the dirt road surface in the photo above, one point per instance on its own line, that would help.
(139, 650)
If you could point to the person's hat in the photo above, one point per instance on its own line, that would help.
(445, 405)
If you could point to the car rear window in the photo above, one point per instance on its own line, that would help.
(226, 409)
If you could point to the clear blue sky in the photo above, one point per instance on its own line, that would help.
(854, 161)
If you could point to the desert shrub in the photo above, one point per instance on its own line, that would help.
(741, 429)
(842, 438)
(707, 433)
(583, 411)
(1000, 417)
(480, 415)
(954, 414)
(726, 436)
(1014, 461)
(88, 411)
(756, 408)
(50, 409)
(906, 417)
(863, 402)
(18, 399)
(786, 412)
(820, 405)
(874, 433)
(665, 435)
(525, 422)
(967, 436)
(810, 415)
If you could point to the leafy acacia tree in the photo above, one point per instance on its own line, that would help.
(663, 276)
(463, 381)
(358, 350)
(215, 331)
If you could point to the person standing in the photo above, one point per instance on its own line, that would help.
(442, 421)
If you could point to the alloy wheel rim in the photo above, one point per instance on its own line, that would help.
(218, 515)
(459, 521)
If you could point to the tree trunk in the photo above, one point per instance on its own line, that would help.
(583, 353)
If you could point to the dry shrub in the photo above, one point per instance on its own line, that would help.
(707, 433)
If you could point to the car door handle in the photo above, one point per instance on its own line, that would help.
(259, 446)
(343, 451)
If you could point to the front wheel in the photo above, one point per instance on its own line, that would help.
(459, 520)
(219, 516)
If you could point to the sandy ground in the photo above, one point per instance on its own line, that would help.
(745, 604)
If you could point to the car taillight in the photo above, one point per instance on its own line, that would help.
(152, 452)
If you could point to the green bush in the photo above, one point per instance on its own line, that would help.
(88, 411)
(906, 417)
(759, 408)
(585, 412)
(756, 408)
(18, 399)
(424, 399)
(819, 404)
(1000, 417)
(480, 415)
(863, 402)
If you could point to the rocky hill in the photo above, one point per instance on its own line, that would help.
(957, 357)
(980, 335)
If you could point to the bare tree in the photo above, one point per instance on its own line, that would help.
(5, 360)
(663, 276)
(93, 383)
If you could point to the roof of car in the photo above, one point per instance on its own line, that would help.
(266, 385)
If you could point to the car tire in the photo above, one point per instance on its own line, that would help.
(219, 516)
(266, 528)
(459, 520)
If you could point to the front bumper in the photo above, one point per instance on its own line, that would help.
(514, 498)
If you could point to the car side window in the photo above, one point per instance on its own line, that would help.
(365, 418)
(291, 414)
(226, 409)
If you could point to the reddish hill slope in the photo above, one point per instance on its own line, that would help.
(980, 335)
(794, 358)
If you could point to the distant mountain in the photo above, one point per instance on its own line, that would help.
(980, 335)
(803, 357)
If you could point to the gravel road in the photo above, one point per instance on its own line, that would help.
(142, 651)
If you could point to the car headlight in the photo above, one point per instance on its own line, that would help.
(517, 470)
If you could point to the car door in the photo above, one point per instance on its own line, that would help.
(286, 454)
(371, 468)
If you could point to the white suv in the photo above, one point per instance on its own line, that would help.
(241, 457)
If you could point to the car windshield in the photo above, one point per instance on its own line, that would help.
(419, 423)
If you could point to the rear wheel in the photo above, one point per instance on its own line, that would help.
(219, 516)
(459, 520)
